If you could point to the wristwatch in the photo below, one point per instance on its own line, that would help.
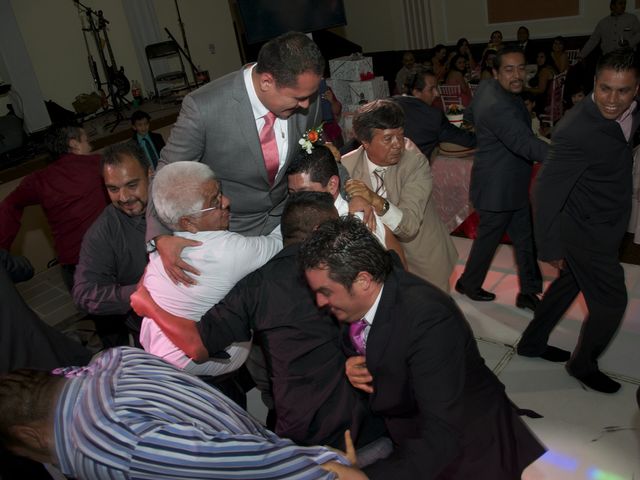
(385, 207)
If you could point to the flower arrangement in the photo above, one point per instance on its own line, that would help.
(310, 138)
(455, 110)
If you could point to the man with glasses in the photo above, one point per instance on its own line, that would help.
(189, 201)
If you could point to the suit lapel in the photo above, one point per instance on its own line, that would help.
(360, 168)
(382, 328)
(245, 121)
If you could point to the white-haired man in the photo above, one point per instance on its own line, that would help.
(189, 201)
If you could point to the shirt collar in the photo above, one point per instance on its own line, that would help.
(370, 315)
(370, 165)
(259, 110)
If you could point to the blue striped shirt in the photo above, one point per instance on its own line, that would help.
(130, 415)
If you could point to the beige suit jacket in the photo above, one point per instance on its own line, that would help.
(427, 245)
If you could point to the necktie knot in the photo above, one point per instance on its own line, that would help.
(379, 174)
(357, 332)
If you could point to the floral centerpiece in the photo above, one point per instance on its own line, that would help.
(454, 114)
(310, 138)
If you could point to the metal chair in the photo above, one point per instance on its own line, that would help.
(572, 55)
(555, 108)
(166, 51)
(450, 95)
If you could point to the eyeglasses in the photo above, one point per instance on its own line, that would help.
(217, 204)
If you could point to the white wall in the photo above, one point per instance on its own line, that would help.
(52, 33)
(378, 24)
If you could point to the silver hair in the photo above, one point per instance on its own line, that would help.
(177, 190)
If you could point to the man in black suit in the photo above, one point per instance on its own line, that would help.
(526, 45)
(446, 412)
(425, 125)
(150, 142)
(582, 203)
(313, 401)
(499, 191)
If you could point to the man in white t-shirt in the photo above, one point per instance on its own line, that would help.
(189, 201)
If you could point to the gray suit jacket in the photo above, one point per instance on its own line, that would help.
(427, 245)
(216, 126)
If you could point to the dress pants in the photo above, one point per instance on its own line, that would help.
(600, 278)
(491, 228)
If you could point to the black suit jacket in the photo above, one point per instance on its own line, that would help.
(156, 139)
(313, 399)
(507, 148)
(444, 409)
(427, 126)
(582, 195)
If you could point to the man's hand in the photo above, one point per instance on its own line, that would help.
(359, 204)
(170, 248)
(343, 472)
(357, 373)
(559, 264)
(141, 302)
(357, 188)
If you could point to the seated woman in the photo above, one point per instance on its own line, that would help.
(189, 200)
(463, 49)
(495, 41)
(439, 62)
(458, 76)
(540, 83)
(559, 56)
(486, 65)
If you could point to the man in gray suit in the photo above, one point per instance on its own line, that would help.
(500, 179)
(222, 124)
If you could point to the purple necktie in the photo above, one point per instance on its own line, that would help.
(269, 147)
(356, 333)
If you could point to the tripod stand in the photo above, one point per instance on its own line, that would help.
(117, 83)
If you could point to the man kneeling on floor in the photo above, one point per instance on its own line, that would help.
(129, 414)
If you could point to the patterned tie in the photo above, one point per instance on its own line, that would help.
(380, 188)
(357, 335)
(269, 147)
(151, 152)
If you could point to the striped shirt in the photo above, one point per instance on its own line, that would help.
(130, 415)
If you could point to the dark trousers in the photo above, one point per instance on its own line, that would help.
(491, 228)
(600, 278)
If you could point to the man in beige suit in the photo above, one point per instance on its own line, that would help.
(391, 173)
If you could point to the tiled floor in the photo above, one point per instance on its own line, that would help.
(590, 436)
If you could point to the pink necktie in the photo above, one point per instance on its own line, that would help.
(356, 333)
(269, 147)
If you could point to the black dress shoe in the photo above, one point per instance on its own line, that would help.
(528, 300)
(550, 353)
(478, 295)
(597, 381)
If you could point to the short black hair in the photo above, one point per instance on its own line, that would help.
(346, 247)
(418, 79)
(289, 55)
(620, 60)
(320, 164)
(381, 114)
(497, 61)
(114, 154)
(139, 115)
(57, 140)
(302, 214)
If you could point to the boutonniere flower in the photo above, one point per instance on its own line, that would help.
(310, 138)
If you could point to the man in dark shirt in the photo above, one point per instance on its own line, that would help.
(113, 254)
(425, 125)
(70, 192)
(314, 403)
